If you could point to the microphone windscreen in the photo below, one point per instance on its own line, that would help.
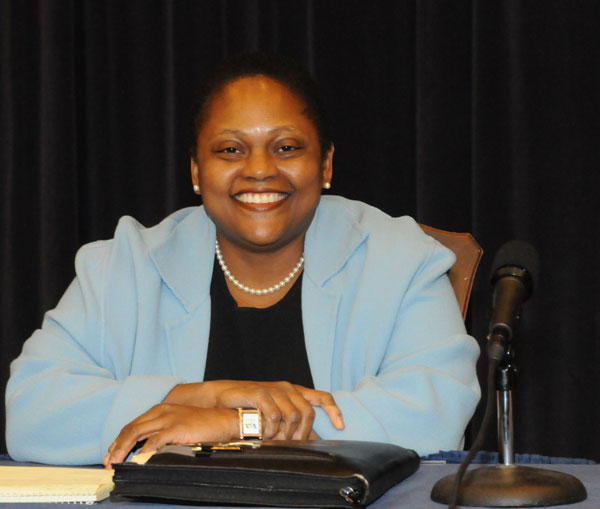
(516, 253)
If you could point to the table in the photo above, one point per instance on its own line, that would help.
(412, 493)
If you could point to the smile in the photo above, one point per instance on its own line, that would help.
(260, 198)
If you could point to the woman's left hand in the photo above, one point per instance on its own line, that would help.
(174, 424)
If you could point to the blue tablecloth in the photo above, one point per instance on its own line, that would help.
(492, 458)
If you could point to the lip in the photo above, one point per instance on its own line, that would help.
(260, 200)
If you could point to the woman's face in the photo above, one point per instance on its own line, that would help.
(258, 164)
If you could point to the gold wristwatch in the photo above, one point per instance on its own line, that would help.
(250, 423)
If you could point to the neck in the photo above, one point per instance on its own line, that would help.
(260, 270)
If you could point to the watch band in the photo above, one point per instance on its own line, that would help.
(250, 423)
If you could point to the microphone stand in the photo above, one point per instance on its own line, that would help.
(505, 378)
(507, 484)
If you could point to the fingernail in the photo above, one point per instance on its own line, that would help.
(105, 459)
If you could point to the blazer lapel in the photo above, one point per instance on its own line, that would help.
(185, 261)
(331, 239)
(319, 316)
(188, 343)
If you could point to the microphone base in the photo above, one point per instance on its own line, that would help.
(511, 486)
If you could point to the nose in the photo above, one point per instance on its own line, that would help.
(259, 166)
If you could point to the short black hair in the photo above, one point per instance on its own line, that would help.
(284, 70)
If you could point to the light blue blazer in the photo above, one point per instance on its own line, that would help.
(383, 333)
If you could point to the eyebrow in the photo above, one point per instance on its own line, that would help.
(275, 130)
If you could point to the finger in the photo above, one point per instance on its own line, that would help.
(145, 417)
(335, 415)
(120, 455)
(157, 440)
(297, 414)
(271, 412)
(254, 397)
(315, 397)
(326, 401)
(129, 436)
(292, 408)
(307, 417)
(295, 429)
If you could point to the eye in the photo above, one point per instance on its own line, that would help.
(229, 150)
(288, 148)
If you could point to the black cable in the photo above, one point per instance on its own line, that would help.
(476, 447)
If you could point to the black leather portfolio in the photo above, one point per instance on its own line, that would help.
(316, 473)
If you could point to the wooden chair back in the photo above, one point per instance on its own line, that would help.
(468, 255)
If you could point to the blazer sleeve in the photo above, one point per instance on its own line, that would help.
(66, 400)
(425, 389)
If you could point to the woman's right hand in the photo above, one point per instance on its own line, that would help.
(173, 424)
(287, 409)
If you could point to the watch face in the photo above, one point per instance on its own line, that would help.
(250, 424)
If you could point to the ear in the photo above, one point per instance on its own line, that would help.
(327, 165)
(195, 175)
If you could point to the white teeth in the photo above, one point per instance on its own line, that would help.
(260, 197)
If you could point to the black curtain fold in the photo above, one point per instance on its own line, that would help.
(472, 116)
(443, 100)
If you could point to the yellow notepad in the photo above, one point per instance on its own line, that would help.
(54, 484)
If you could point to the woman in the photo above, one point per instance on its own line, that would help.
(157, 337)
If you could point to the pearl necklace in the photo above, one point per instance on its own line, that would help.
(254, 291)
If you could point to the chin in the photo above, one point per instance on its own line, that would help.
(264, 243)
(270, 241)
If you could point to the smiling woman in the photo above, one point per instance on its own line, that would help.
(323, 316)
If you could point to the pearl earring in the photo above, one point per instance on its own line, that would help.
(326, 185)
(196, 188)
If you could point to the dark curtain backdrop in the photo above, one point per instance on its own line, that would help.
(469, 115)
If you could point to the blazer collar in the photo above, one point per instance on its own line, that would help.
(185, 258)
(331, 239)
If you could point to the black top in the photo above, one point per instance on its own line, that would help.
(264, 345)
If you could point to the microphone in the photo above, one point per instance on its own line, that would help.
(514, 274)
